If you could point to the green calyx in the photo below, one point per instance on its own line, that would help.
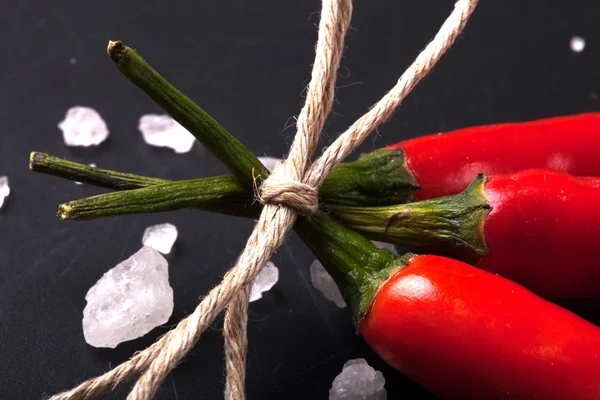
(451, 225)
(375, 179)
(356, 265)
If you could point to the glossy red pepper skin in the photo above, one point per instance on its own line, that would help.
(464, 333)
(543, 231)
(444, 164)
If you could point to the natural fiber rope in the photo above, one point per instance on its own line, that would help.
(283, 186)
(236, 345)
(275, 220)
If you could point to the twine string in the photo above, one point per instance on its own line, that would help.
(284, 186)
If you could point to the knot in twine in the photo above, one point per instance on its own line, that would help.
(279, 189)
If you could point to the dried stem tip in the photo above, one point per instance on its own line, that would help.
(65, 212)
(37, 160)
(116, 50)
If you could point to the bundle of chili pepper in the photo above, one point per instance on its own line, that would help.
(537, 227)
(457, 330)
(525, 226)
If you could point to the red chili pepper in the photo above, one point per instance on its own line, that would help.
(540, 222)
(444, 164)
(538, 227)
(457, 330)
(463, 333)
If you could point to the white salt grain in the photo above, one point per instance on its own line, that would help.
(264, 281)
(4, 190)
(577, 44)
(129, 300)
(387, 246)
(324, 283)
(358, 381)
(164, 131)
(161, 237)
(83, 126)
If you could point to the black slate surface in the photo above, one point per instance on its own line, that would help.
(247, 64)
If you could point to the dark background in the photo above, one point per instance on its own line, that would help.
(247, 64)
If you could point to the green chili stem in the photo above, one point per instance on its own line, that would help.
(41, 162)
(222, 194)
(356, 265)
(375, 179)
(239, 160)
